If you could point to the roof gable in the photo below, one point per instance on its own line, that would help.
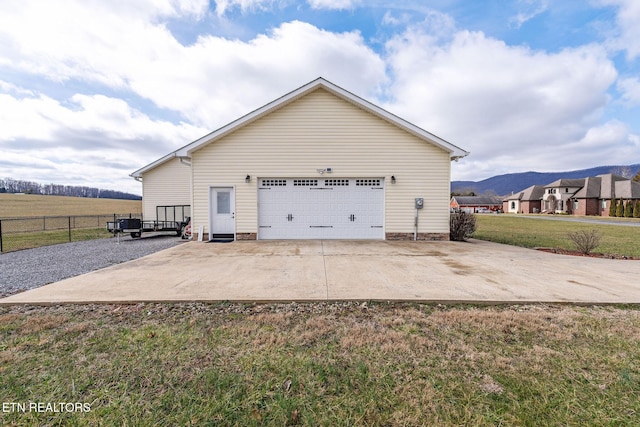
(454, 151)
(320, 83)
(564, 182)
(592, 188)
(535, 192)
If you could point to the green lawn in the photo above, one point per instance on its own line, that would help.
(536, 232)
(322, 365)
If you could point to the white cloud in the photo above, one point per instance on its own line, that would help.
(334, 4)
(67, 39)
(223, 6)
(630, 89)
(90, 140)
(512, 107)
(202, 81)
(612, 140)
(42, 118)
(628, 21)
(529, 9)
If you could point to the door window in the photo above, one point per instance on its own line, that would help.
(224, 202)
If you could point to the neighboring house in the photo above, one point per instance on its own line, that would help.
(595, 197)
(317, 163)
(557, 194)
(476, 204)
(586, 196)
(527, 201)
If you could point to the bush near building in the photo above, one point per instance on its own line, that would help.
(628, 209)
(612, 207)
(462, 225)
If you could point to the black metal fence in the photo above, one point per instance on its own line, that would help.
(32, 232)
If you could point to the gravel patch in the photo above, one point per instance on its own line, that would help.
(32, 268)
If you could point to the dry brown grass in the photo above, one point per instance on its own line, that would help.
(326, 364)
(29, 205)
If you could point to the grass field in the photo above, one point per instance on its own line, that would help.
(29, 205)
(322, 364)
(31, 221)
(535, 232)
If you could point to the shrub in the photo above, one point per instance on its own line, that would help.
(462, 225)
(636, 210)
(620, 209)
(585, 241)
(628, 209)
(612, 207)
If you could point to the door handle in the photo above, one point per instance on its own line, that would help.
(233, 215)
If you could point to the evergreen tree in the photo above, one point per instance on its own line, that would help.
(612, 207)
(628, 209)
(636, 210)
(620, 209)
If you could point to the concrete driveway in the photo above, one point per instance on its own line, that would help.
(265, 271)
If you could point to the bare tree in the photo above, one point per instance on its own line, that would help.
(623, 171)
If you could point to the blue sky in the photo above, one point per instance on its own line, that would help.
(91, 90)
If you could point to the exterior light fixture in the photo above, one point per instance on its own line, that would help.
(393, 179)
(247, 179)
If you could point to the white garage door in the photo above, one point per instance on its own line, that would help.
(325, 208)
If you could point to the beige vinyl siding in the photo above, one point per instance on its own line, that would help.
(165, 185)
(317, 131)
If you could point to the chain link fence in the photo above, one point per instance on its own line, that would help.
(32, 232)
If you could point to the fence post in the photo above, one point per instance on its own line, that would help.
(69, 228)
(0, 235)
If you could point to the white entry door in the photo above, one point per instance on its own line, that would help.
(321, 208)
(222, 212)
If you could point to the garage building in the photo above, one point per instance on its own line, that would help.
(317, 163)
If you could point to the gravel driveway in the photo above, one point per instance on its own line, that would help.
(32, 268)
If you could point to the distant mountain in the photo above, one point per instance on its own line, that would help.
(503, 185)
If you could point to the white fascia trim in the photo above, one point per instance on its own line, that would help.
(140, 172)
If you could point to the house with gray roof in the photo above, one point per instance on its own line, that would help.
(476, 204)
(528, 200)
(586, 196)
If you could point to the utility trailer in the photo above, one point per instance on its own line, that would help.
(174, 219)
